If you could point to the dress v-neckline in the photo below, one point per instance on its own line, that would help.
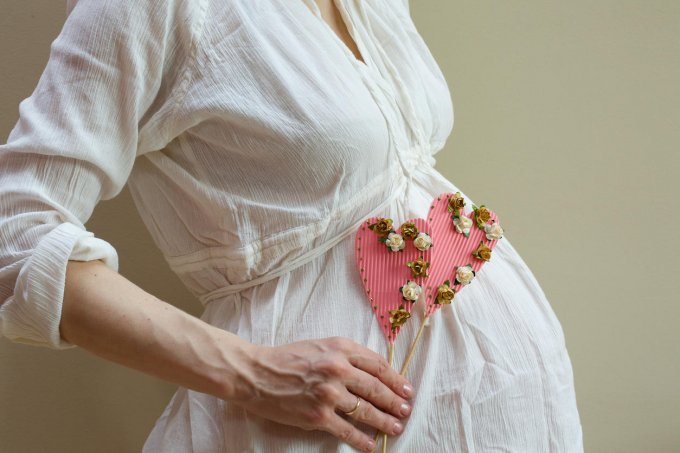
(368, 72)
(349, 26)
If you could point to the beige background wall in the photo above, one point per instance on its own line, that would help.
(567, 125)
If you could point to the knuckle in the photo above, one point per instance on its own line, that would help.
(354, 359)
(334, 342)
(375, 390)
(383, 367)
(325, 392)
(346, 433)
(340, 343)
(330, 367)
(317, 417)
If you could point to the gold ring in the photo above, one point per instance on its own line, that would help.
(355, 407)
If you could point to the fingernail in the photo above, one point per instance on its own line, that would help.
(371, 445)
(405, 408)
(397, 428)
(408, 390)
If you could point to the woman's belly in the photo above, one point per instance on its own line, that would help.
(486, 366)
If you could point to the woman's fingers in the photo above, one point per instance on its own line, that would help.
(306, 383)
(367, 413)
(345, 431)
(371, 377)
(381, 369)
(376, 392)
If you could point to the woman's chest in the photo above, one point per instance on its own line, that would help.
(273, 96)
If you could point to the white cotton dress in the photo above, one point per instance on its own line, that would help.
(254, 143)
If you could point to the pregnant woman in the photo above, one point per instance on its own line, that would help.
(255, 136)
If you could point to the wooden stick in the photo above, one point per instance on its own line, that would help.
(375, 438)
(404, 368)
(413, 346)
(377, 431)
(384, 449)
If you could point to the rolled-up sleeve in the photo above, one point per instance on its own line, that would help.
(74, 144)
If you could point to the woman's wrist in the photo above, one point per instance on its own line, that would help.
(231, 370)
(111, 317)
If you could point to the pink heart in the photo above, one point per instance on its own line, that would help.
(452, 248)
(384, 272)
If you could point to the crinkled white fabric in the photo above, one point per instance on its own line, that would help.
(254, 143)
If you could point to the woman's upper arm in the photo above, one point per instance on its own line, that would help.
(109, 72)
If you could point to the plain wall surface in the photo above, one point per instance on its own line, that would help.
(567, 124)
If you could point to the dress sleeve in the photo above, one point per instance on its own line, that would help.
(74, 144)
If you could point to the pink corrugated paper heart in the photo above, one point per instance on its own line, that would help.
(452, 248)
(383, 272)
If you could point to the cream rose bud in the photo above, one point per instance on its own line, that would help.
(464, 274)
(423, 241)
(493, 231)
(411, 290)
(463, 224)
(395, 242)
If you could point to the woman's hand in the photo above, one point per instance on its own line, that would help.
(301, 384)
(304, 383)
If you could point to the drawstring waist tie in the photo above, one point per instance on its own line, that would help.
(416, 166)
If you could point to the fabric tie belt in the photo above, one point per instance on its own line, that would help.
(417, 165)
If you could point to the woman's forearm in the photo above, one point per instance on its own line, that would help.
(108, 315)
